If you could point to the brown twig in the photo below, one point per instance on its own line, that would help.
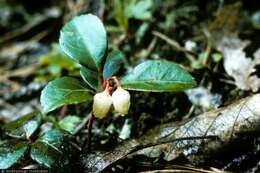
(144, 53)
(120, 40)
(173, 43)
(208, 48)
(24, 29)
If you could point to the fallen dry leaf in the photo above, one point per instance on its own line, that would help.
(195, 139)
(237, 64)
(201, 96)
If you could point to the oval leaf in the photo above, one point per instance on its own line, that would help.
(53, 149)
(84, 39)
(90, 77)
(11, 152)
(23, 127)
(63, 91)
(69, 123)
(158, 76)
(114, 61)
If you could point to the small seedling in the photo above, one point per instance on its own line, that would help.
(84, 39)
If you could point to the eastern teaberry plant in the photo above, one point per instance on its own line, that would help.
(84, 39)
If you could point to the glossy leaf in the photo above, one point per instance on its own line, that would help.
(11, 152)
(114, 61)
(84, 39)
(23, 127)
(63, 91)
(53, 149)
(90, 77)
(69, 123)
(158, 76)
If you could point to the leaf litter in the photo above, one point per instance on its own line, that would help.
(236, 63)
(197, 139)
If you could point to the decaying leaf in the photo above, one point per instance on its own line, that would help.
(237, 65)
(201, 96)
(194, 139)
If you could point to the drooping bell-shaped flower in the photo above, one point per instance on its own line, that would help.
(101, 104)
(121, 100)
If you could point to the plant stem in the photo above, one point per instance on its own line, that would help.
(63, 112)
(115, 79)
(29, 139)
(103, 83)
(89, 126)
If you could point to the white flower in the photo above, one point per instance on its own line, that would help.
(101, 104)
(121, 100)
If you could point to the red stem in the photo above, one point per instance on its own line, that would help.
(89, 126)
(64, 110)
(105, 86)
(115, 79)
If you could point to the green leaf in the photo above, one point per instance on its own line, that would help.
(90, 77)
(139, 35)
(158, 76)
(63, 91)
(11, 152)
(54, 149)
(84, 39)
(120, 13)
(217, 57)
(199, 62)
(197, 65)
(114, 61)
(23, 127)
(126, 9)
(57, 57)
(69, 123)
(140, 10)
